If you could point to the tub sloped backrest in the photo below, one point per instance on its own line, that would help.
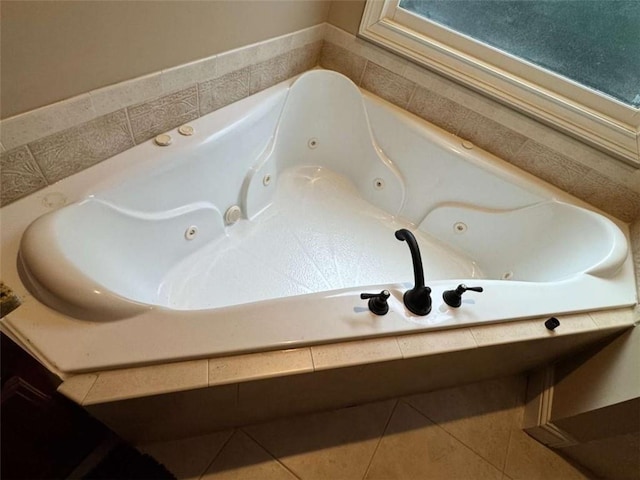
(324, 123)
(210, 168)
(105, 261)
(546, 242)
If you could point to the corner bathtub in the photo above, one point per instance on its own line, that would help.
(261, 229)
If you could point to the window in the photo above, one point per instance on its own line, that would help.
(539, 56)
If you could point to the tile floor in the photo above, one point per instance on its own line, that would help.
(467, 432)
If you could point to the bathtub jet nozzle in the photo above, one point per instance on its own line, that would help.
(417, 299)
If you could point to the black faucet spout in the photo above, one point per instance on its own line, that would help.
(417, 299)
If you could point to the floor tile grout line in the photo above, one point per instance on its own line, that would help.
(519, 401)
(218, 453)
(456, 438)
(506, 457)
(384, 431)
(269, 453)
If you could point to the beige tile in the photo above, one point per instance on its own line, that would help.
(269, 72)
(388, 85)
(188, 458)
(2, 149)
(114, 97)
(337, 444)
(428, 79)
(20, 175)
(343, 61)
(569, 324)
(153, 380)
(583, 154)
(480, 415)
(609, 196)
(237, 59)
(272, 47)
(491, 136)
(441, 341)
(254, 366)
(222, 91)
(379, 56)
(550, 166)
(304, 58)
(338, 37)
(529, 460)
(438, 110)
(35, 124)
(413, 447)
(365, 49)
(615, 318)
(506, 332)
(76, 388)
(77, 148)
(170, 416)
(184, 76)
(355, 353)
(242, 458)
(157, 116)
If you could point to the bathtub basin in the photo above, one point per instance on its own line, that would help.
(261, 230)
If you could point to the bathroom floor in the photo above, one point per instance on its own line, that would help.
(468, 432)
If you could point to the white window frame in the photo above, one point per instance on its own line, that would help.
(569, 106)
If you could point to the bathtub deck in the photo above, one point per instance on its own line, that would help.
(318, 235)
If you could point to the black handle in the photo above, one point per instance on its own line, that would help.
(453, 298)
(377, 301)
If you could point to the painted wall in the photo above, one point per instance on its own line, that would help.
(346, 14)
(52, 50)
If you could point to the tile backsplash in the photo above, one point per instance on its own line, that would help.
(573, 166)
(45, 145)
(41, 147)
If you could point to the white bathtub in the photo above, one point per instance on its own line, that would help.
(145, 265)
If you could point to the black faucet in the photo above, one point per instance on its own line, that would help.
(418, 299)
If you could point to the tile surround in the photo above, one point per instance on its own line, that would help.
(388, 85)
(341, 60)
(74, 134)
(152, 380)
(606, 183)
(221, 91)
(36, 124)
(70, 151)
(429, 343)
(121, 95)
(338, 355)
(255, 366)
(158, 102)
(157, 116)
(259, 387)
(21, 175)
